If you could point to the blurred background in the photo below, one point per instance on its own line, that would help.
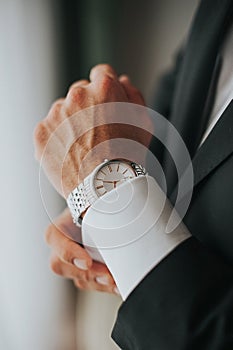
(45, 45)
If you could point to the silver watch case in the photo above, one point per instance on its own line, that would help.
(84, 195)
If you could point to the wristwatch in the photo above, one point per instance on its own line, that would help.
(104, 178)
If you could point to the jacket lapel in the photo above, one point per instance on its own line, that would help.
(206, 36)
(217, 147)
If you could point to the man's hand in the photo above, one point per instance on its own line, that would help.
(61, 161)
(70, 260)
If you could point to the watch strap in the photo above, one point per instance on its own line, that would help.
(80, 199)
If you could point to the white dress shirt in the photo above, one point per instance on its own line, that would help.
(131, 259)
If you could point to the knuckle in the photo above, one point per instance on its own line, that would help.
(40, 133)
(107, 66)
(97, 68)
(79, 83)
(40, 138)
(77, 94)
(55, 110)
(104, 66)
(74, 85)
(107, 82)
(57, 104)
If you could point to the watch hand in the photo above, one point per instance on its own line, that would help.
(111, 182)
(115, 182)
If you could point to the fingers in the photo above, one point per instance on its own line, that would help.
(40, 138)
(96, 278)
(44, 129)
(133, 94)
(77, 99)
(80, 284)
(82, 82)
(70, 260)
(60, 243)
(56, 113)
(67, 250)
(101, 70)
(105, 85)
(66, 270)
(55, 116)
(101, 274)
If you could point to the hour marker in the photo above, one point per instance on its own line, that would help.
(118, 166)
(110, 168)
(98, 187)
(125, 171)
(103, 172)
(99, 179)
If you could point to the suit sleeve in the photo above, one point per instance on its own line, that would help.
(186, 302)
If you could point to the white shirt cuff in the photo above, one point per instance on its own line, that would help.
(126, 229)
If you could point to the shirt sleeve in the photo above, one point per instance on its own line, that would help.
(126, 229)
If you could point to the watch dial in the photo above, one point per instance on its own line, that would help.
(112, 175)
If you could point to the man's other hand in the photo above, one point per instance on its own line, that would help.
(70, 260)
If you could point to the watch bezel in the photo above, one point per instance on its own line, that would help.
(138, 170)
(78, 204)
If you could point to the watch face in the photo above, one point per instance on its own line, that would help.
(112, 175)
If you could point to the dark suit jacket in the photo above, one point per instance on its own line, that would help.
(186, 302)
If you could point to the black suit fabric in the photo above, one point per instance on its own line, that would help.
(186, 302)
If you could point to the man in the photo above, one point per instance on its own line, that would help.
(186, 300)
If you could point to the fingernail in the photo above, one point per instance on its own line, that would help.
(102, 280)
(80, 264)
(116, 290)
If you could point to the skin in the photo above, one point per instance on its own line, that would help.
(103, 86)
